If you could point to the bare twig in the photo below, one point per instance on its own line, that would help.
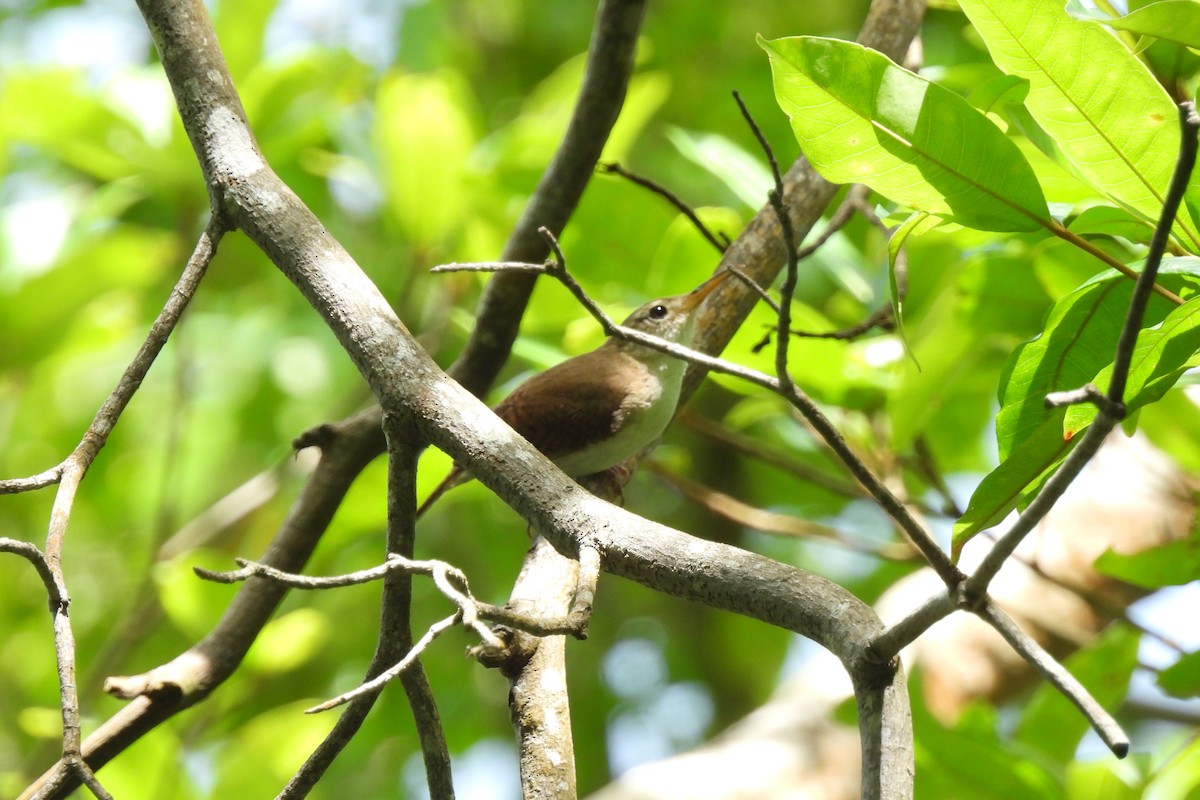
(755, 287)
(69, 474)
(888, 644)
(610, 65)
(891, 504)
(673, 199)
(1058, 677)
(1087, 393)
(50, 578)
(373, 685)
(394, 562)
(854, 203)
(879, 318)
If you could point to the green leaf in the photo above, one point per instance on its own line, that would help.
(1161, 355)
(1182, 679)
(970, 760)
(54, 112)
(1018, 476)
(1077, 342)
(241, 28)
(1170, 20)
(1106, 112)
(860, 118)
(998, 92)
(1051, 724)
(1110, 221)
(1109, 778)
(1173, 564)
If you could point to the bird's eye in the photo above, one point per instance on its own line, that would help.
(658, 312)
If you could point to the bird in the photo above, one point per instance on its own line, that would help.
(592, 412)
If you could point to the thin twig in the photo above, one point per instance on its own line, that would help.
(1088, 393)
(842, 215)
(1189, 125)
(610, 66)
(72, 470)
(888, 644)
(891, 504)
(879, 318)
(670, 197)
(1058, 677)
(375, 684)
(763, 294)
(394, 562)
(821, 424)
(33, 555)
(491, 266)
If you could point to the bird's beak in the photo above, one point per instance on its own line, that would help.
(697, 295)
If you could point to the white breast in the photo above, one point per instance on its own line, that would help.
(643, 417)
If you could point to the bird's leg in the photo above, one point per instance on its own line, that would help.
(610, 484)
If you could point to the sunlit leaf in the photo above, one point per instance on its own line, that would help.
(1111, 221)
(1171, 20)
(425, 134)
(1182, 679)
(860, 118)
(1105, 110)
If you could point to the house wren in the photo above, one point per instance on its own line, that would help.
(592, 412)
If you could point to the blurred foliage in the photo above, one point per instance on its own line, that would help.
(416, 134)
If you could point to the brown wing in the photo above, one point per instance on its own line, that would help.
(569, 406)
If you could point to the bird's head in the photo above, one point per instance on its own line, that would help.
(674, 318)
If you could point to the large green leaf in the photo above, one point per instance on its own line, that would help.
(1077, 342)
(1161, 355)
(1112, 221)
(1171, 20)
(1076, 345)
(860, 118)
(971, 760)
(1106, 112)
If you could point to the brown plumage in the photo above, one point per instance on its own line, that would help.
(594, 411)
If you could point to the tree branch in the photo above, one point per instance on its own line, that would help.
(606, 78)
